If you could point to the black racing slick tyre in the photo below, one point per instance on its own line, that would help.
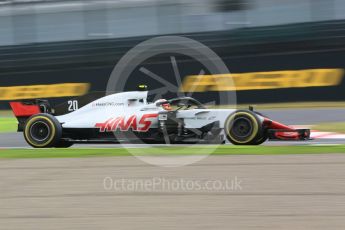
(261, 140)
(244, 128)
(42, 131)
(64, 144)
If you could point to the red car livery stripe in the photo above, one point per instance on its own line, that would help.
(287, 135)
(123, 124)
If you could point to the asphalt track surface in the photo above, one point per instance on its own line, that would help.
(272, 192)
(275, 192)
(16, 140)
(306, 116)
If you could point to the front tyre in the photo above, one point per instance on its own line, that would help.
(244, 128)
(42, 131)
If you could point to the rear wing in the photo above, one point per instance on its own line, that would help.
(26, 108)
(22, 110)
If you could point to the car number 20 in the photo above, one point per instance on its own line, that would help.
(72, 105)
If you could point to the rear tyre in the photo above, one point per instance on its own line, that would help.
(42, 131)
(64, 144)
(244, 128)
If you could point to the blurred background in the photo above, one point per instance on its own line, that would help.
(277, 50)
(284, 56)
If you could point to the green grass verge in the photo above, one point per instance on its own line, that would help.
(8, 124)
(166, 151)
(338, 127)
(6, 113)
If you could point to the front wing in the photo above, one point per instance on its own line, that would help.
(289, 134)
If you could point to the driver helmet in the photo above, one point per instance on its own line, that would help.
(166, 105)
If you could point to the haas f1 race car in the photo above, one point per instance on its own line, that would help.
(129, 117)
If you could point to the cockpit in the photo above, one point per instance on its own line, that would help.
(181, 103)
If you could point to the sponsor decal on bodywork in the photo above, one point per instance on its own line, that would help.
(122, 123)
(106, 104)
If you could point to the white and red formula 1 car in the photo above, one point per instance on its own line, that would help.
(129, 117)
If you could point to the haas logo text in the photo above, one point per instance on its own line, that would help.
(123, 124)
